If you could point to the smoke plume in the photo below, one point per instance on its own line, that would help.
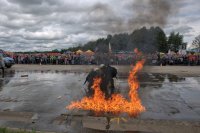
(141, 13)
(152, 12)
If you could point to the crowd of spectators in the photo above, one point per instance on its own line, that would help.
(173, 59)
(53, 59)
(102, 58)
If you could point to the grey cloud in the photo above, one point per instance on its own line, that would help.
(183, 29)
(50, 24)
(43, 35)
(34, 2)
(26, 2)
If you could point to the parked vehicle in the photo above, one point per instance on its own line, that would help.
(8, 61)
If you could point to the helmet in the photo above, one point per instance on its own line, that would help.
(95, 69)
(102, 65)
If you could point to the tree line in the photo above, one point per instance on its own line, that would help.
(147, 40)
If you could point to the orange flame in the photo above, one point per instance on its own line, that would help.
(117, 103)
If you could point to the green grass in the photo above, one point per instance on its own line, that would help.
(5, 130)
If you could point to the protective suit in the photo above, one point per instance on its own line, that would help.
(107, 84)
(90, 80)
(106, 73)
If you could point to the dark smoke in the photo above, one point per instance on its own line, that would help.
(107, 19)
(152, 12)
(143, 13)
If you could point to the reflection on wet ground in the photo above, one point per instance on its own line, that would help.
(46, 94)
(4, 81)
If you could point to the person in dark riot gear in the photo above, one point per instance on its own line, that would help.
(107, 84)
(90, 79)
(106, 73)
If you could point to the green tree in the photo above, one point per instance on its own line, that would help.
(175, 41)
(119, 42)
(146, 40)
(162, 42)
(55, 50)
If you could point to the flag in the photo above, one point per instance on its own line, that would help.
(110, 50)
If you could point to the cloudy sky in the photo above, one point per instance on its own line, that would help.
(55, 24)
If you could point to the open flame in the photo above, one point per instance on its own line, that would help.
(117, 103)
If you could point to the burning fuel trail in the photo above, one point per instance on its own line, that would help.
(117, 103)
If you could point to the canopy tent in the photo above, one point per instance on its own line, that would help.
(89, 52)
(79, 51)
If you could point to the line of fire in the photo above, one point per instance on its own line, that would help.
(115, 104)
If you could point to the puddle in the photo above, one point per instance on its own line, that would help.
(47, 94)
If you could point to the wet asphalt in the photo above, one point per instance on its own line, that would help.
(46, 94)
